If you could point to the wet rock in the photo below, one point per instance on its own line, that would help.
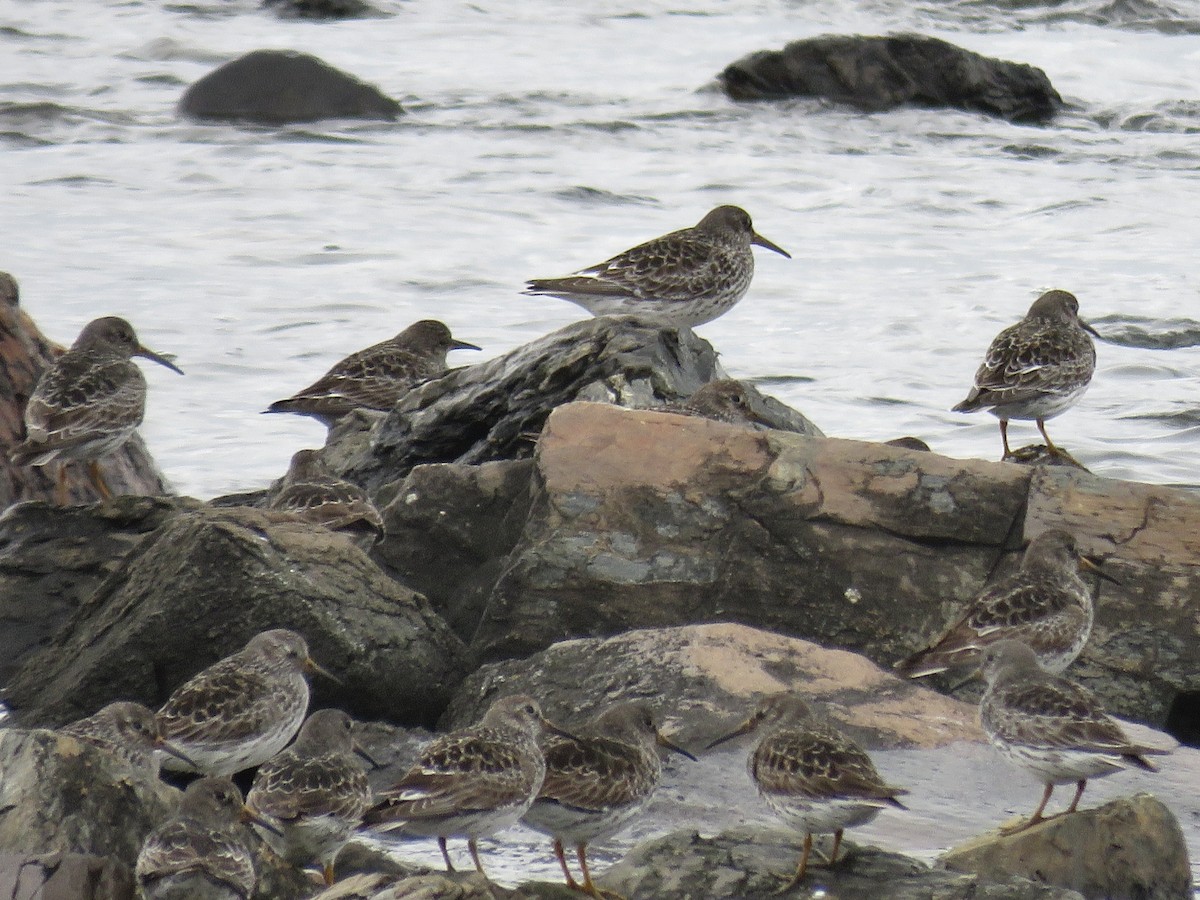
(881, 73)
(746, 863)
(1129, 847)
(206, 582)
(275, 87)
(705, 677)
(53, 557)
(495, 410)
(321, 9)
(439, 886)
(64, 876)
(24, 354)
(59, 795)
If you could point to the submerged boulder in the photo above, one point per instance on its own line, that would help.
(881, 73)
(275, 87)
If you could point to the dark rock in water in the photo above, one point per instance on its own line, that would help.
(24, 354)
(58, 794)
(274, 87)
(209, 580)
(706, 678)
(881, 73)
(52, 558)
(1129, 847)
(321, 9)
(495, 410)
(746, 863)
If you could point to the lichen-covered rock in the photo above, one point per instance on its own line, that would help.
(881, 73)
(1129, 847)
(201, 586)
(274, 87)
(746, 863)
(705, 677)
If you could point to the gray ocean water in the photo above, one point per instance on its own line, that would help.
(542, 136)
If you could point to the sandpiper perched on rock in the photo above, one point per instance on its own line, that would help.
(1045, 604)
(814, 777)
(470, 783)
(1037, 368)
(314, 793)
(377, 377)
(598, 781)
(687, 277)
(1050, 725)
(201, 853)
(243, 709)
(89, 402)
(130, 732)
(724, 400)
(313, 493)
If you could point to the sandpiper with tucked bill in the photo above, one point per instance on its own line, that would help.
(377, 377)
(1045, 604)
(88, 403)
(1050, 726)
(243, 709)
(1036, 368)
(687, 277)
(597, 781)
(128, 731)
(470, 783)
(311, 492)
(814, 777)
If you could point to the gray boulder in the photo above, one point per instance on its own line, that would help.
(321, 9)
(746, 863)
(275, 87)
(881, 73)
(1129, 847)
(206, 582)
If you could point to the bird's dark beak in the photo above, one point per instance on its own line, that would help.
(366, 757)
(462, 345)
(756, 238)
(1091, 565)
(310, 665)
(1089, 329)
(554, 729)
(745, 728)
(168, 747)
(249, 815)
(158, 358)
(662, 741)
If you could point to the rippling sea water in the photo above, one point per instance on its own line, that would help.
(542, 136)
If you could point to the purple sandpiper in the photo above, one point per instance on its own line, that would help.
(130, 732)
(687, 277)
(313, 493)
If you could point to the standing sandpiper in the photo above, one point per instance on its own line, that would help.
(243, 709)
(1037, 368)
(598, 781)
(814, 777)
(314, 793)
(1050, 726)
(1045, 604)
(200, 854)
(687, 277)
(88, 403)
(470, 783)
(377, 377)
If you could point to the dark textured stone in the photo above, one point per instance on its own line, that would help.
(201, 586)
(881, 73)
(321, 9)
(274, 87)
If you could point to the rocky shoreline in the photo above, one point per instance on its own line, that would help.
(542, 539)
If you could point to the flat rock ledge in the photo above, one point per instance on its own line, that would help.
(1130, 847)
(882, 73)
(746, 863)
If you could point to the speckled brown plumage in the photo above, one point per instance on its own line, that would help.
(377, 377)
(1045, 604)
(200, 854)
(127, 730)
(313, 493)
(1049, 725)
(1037, 368)
(724, 400)
(687, 277)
